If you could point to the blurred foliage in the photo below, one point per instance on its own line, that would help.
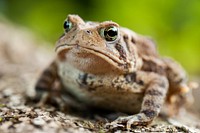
(175, 24)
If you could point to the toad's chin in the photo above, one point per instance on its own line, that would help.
(91, 61)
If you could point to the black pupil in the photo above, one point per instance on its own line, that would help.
(66, 25)
(112, 33)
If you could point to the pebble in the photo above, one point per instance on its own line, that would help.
(38, 121)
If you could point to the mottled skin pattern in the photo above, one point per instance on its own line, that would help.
(123, 74)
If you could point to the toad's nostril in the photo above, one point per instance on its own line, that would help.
(88, 31)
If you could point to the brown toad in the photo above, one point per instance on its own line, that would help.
(110, 67)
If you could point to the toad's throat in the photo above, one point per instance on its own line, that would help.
(95, 51)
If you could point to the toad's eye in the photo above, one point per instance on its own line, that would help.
(110, 33)
(67, 25)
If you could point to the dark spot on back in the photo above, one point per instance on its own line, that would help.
(133, 40)
(125, 37)
(151, 66)
(121, 51)
(84, 81)
(83, 78)
(130, 77)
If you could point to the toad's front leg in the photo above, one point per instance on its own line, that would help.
(154, 98)
(48, 86)
(49, 89)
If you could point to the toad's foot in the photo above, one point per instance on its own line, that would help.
(140, 119)
(44, 97)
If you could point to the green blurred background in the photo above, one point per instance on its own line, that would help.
(173, 24)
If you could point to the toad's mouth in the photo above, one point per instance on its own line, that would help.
(109, 57)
